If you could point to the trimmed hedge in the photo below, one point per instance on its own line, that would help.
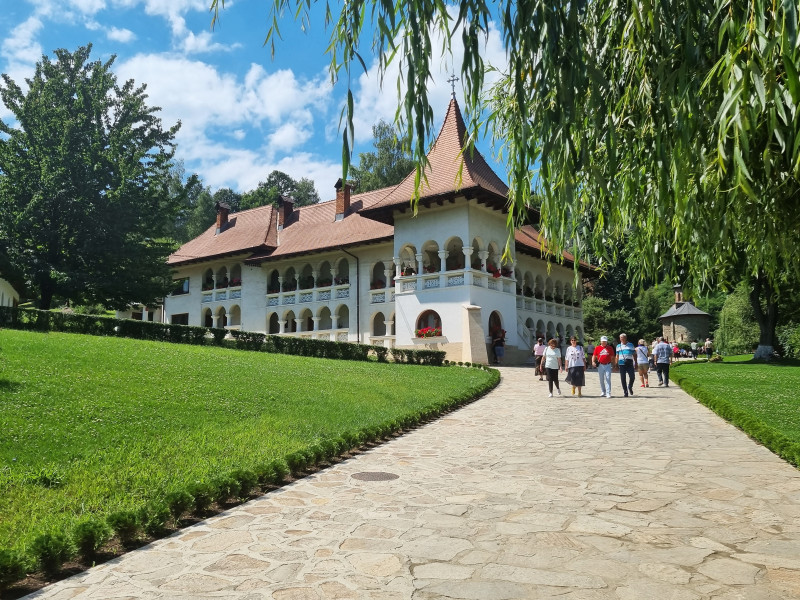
(32, 319)
(51, 549)
(785, 447)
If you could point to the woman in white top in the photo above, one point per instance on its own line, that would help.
(643, 362)
(552, 365)
(576, 366)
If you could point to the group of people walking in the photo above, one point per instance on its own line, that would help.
(624, 357)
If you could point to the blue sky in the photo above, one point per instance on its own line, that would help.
(243, 113)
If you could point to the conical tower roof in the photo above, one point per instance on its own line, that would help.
(451, 170)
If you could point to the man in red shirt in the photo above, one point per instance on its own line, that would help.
(602, 359)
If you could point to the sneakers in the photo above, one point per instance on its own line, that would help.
(660, 383)
(647, 385)
(630, 389)
(558, 392)
(641, 385)
(605, 395)
(550, 395)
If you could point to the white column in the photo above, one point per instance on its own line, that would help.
(467, 250)
(280, 283)
(281, 327)
(387, 273)
(299, 325)
(314, 277)
(483, 255)
(443, 254)
(397, 264)
(316, 322)
(420, 266)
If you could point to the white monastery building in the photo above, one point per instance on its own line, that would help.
(364, 268)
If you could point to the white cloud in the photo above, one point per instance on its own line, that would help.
(120, 35)
(88, 7)
(206, 101)
(21, 47)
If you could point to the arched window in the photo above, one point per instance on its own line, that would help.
(408, 261)
(548, 290)
(324, 277)
(306, 321)
(222, 317)
(325, 319)
(222, 277)
(528, 285)
(208, 318)
(235, 315)
(291, 323)
(477, 246)
(290, 280)
(274, 282)
(455, 254)
(391, 326)
(495, 322)
(538, 291)
(306, 280)
(541, 331)
(429, 324)
(236, 276)
(379, 325)
(342, 272)
(343, 317)
(273, 326)
(208, 280)
(378, 281)
(431, 262)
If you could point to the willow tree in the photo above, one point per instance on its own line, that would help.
(672, 124)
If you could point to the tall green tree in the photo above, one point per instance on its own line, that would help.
(84, 201)
(277, 184)
(388, 165)
(675, 121)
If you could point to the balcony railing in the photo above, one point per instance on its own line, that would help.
(307, 296)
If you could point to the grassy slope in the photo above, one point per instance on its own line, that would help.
(761, 399)
(119, 422)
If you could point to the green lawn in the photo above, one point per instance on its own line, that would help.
(91, 425)
(761, 399)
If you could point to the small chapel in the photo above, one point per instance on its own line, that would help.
(365, 267)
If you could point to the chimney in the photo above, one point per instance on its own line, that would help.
(223, 210)
(285, 208)
(678, 294)
(342, 198)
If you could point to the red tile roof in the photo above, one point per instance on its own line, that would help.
(450, 169)
(244, 232)
(314, 228)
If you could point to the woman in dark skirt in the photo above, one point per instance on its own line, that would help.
(576, 365)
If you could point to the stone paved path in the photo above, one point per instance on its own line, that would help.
(515, 496)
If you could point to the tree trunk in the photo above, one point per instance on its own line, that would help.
(46, 289)
(766, 314)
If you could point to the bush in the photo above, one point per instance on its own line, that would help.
(789, 339)
(154, 519)
(12, 568)
(51, 550)
(246, 480)
(178, 503)
(89, 535)
(281, 470)
(125, 524)
(203, 494)
(225, 487)
(296, 461)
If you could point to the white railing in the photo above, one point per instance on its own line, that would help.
(410, 285)
(273, 300)
(343, 292)
(430, 282)
(323, 295)
(377, 297)
(384, 340)
(455, 280)
(236, 293)
(492, 284)
(223, 295)
(306, 296)
(207, 297)
(289, 299)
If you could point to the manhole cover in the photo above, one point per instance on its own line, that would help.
(375, 476)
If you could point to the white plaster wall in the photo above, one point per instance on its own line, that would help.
(8, 295)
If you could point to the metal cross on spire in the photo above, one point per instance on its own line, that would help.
(452, 82)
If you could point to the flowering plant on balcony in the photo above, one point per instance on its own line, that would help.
(505, 272)
(429, 269)
(538, 294)
(428, 332)
(324, 282)
(289, 286)
(408, 271)
(493, 270)
(273, 290)
(236, 282)
(377, 285)
(527, 292)
(341, 280)
(208, 286)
